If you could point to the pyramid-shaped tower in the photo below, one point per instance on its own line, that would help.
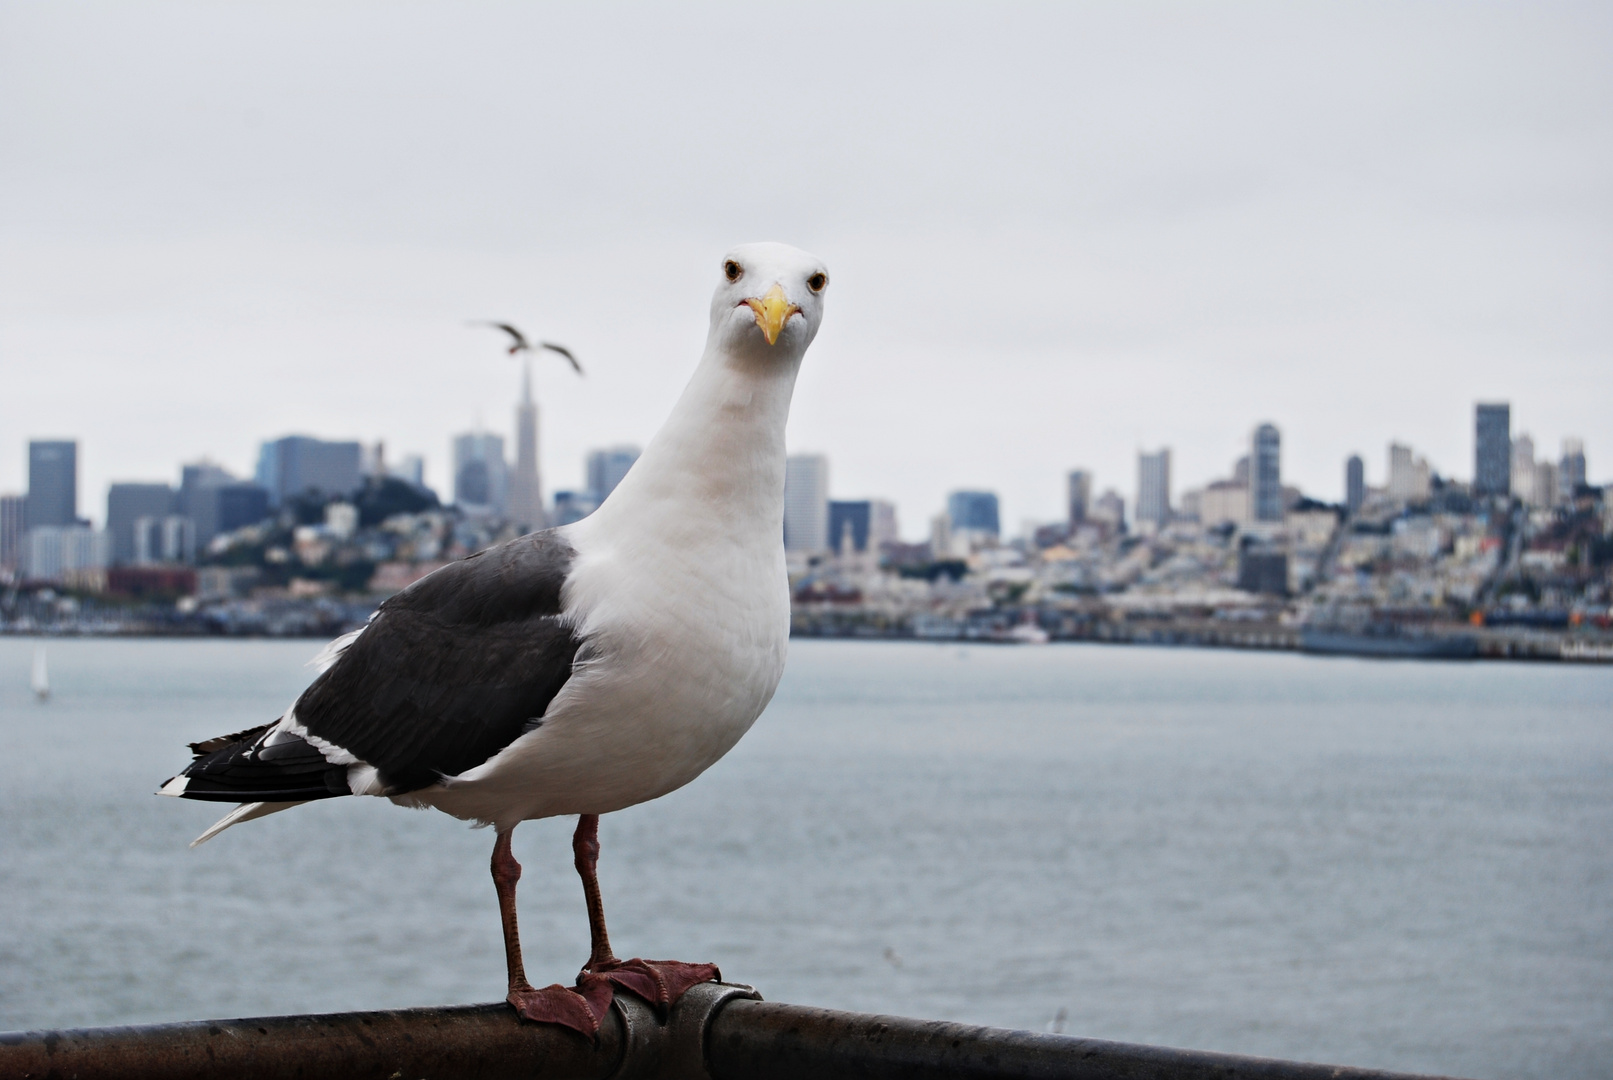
(526, 493)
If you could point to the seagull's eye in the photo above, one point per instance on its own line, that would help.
(732, 269)
(817, 281)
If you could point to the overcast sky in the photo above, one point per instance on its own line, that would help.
(1055, 234)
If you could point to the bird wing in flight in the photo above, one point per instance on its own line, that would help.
(563, 351)
(518, 339)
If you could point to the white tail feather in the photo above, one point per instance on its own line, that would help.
(244, 812)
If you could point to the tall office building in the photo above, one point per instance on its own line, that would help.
(52, 483)
(1521, 475)
(127, 503)
(806, 503)
(1547, 488)
(1410, 477)
(481, 475)
(1492, 449)
(1154, 488)
(1266, 474)
(68, 553)
(882, 528)
(975, 513)
(850, 524)
(526, 491)
(1078, 496)
(607, 467)
(298, 465)
(1355, 484)
(1571, 470)
(157, 540)
(13, 509)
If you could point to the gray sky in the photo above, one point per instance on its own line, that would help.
(1056, 234)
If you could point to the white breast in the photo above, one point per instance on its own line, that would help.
(683, 652)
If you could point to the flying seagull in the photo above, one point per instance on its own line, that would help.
(577, 670)
(519, 343)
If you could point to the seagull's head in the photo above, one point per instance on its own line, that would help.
(769, 301)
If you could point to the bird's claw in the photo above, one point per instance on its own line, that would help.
(582, 1008)
(659, 982)
(579, 1009)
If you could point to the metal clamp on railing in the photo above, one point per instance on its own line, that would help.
(717, 1031)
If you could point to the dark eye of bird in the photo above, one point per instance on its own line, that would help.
(817, 281)
(732, 269)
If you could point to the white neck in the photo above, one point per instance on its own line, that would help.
(714, 474)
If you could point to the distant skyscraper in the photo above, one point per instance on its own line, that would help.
(850, 522)
(607, 467)
(52, 483)
(481, 475)
(1547, 485)
(67, 553)
(228, 507)
(1571, 470)
(806, 503)
(1409, 476)
(1492, 449)
(127, 503)
(974, 512)
(1522, 472)
(882, 524)
(1078, 496)
(1266, 475)
(1154, 487)
(298, 465)
(869, 523)
(13, 509)
(526, 491)
(169, 539)
(1355, 484)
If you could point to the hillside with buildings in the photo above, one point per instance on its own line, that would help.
(1517, 561)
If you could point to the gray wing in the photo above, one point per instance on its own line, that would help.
(454, 668)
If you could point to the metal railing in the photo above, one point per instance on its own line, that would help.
(717, 1031)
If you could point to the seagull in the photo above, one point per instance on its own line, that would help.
(577, 670)
(519, 343)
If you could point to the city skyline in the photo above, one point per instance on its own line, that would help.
(1055, 237)
(1153, 496)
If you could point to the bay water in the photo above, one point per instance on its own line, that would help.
(1404, 865)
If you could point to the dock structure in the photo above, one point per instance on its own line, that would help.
(717, 1031)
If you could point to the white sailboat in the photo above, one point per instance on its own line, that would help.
(41, 678)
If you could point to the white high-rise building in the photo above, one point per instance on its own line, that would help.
(526, 492)
(1523, 467)
(1410, 477)
(806, 503)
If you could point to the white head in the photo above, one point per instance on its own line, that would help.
(769, 302)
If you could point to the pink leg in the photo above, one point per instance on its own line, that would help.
(553, 1004)
(659, 982)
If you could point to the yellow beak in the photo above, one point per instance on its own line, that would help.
(772, 311)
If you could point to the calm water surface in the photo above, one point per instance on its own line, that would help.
(1398, 865)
